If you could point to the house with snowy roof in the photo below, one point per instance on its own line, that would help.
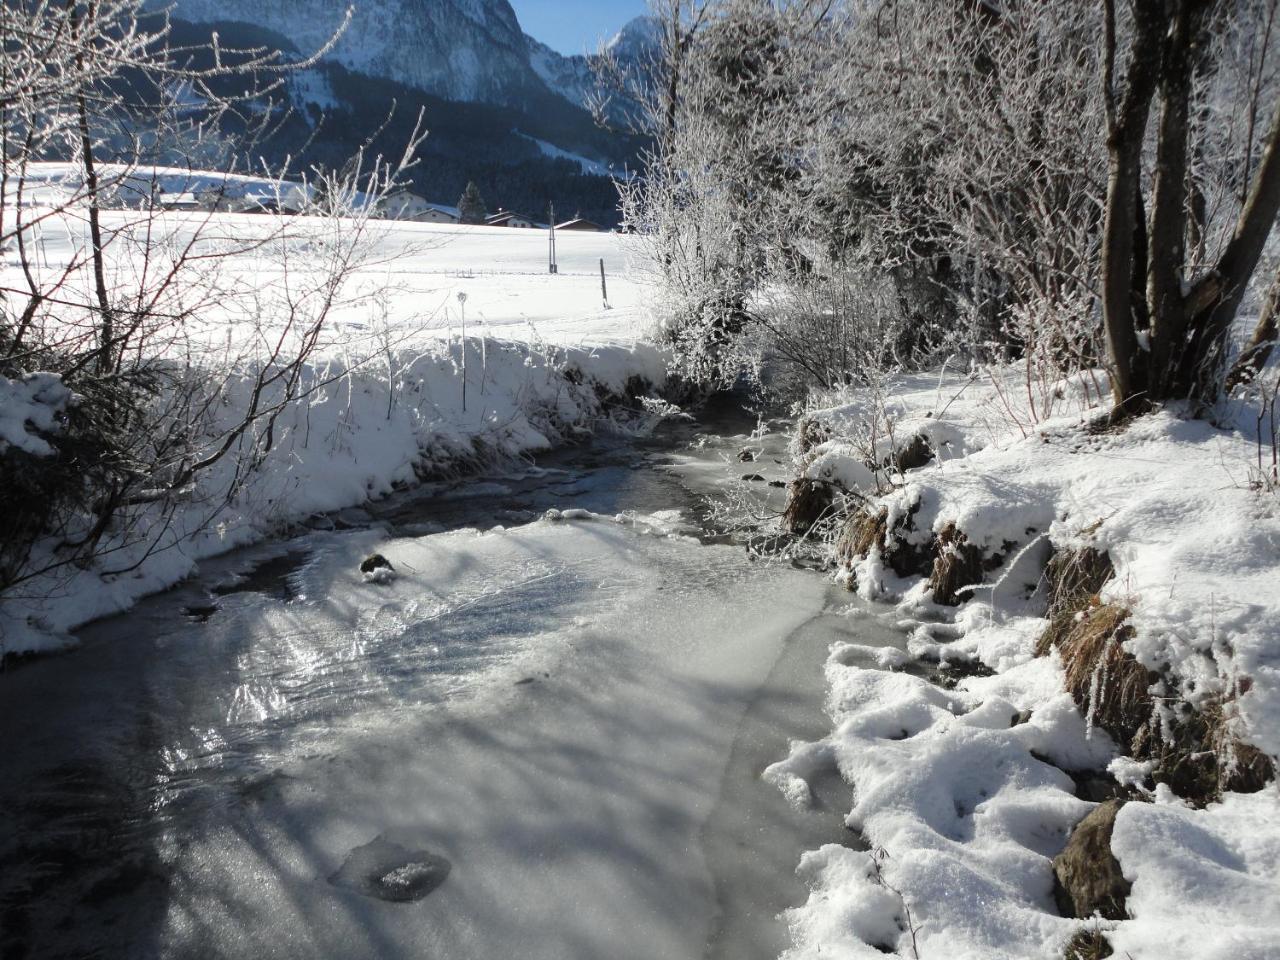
(580, 223)
(406, 205)
(509, 218)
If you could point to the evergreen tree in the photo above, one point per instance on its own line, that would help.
(471, 208)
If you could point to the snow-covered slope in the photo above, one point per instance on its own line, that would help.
(570, 77)
(963, 795)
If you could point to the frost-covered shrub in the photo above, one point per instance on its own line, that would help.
(64, 455)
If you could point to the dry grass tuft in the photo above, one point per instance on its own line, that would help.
(1197, 752)
(1200, 756)
(862, 531)
(811, 433)
(809, 502)
(1110, 686)
(1075, 578)
(1087, 944)
(1243, 767)
(957, 563)
(865, 530)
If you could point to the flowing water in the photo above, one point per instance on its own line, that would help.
(542, 738)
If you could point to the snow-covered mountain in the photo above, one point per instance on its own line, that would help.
(471, 50)
(571, 77)
(637, 40)
(574, 77)
(502, 109)
(458, 49)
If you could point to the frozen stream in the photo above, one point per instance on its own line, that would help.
(541, 740)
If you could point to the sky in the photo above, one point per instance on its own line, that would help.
(575, 26)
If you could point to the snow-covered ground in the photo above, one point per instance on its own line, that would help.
(382, 396)
(962, 793)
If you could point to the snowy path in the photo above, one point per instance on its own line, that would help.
(573, 713)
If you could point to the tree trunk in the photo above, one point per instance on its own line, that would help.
(1128, 124)
(1213, 302)
(1166, 256)
(1256, 353)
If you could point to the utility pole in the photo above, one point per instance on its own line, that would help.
(604, 289)
(462, 304)
(551, 222)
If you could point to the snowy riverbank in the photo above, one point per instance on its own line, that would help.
(967, 795)
(391, 394)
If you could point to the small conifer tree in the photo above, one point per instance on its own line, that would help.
(471, 208)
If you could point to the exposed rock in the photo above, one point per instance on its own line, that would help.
(1097, 787)
(753, 477)
(388, 871)
(1087, 875)
(746, 456)
(377, 569)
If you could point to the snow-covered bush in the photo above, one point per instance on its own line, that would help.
(31, 410)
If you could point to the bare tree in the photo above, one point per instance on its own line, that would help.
(180, 365)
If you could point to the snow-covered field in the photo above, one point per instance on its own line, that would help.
(962, 793)
(382, 395)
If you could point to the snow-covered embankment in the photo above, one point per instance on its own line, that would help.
(391, 393)
(1111, 595)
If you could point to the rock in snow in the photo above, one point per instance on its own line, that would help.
(377, 569)
(1089, 879)
(388, 871)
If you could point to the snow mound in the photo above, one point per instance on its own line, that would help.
(963, 812)
(1206, 882)
(964, 795)
(30, 407)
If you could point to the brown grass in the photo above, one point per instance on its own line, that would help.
(1075, 578)
(811, 433)
(862, 531)
(808, 503)
(1109, 685)
(1200, 756)
(865, 530)
(1087, 944)
(1197, 752)
(957, 563)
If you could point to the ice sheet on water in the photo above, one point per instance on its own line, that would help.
(394, 711)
